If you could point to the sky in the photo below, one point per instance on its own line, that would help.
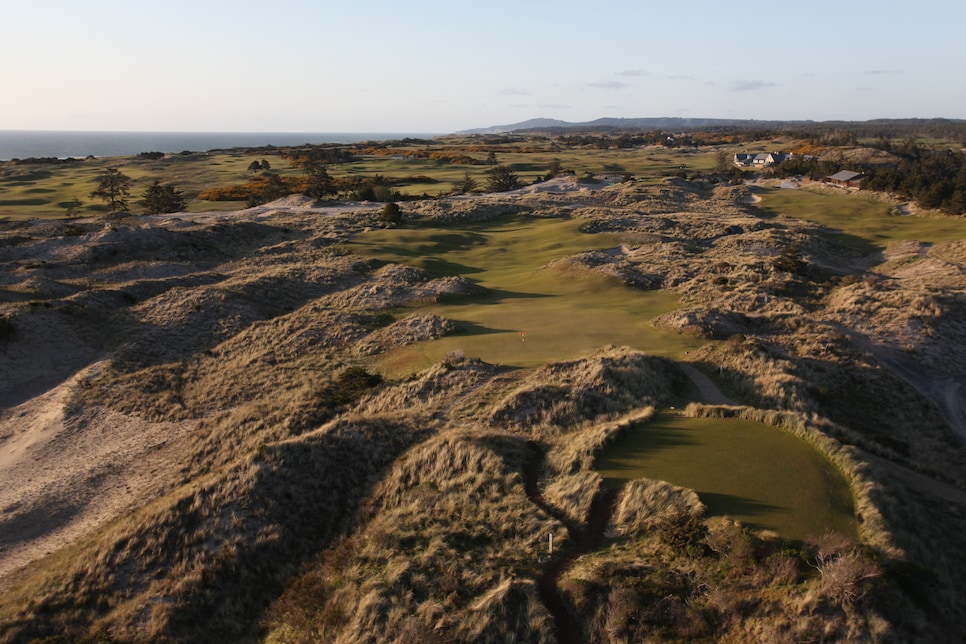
(427, 66)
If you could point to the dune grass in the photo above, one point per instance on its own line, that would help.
(561, 313)
(760, 475)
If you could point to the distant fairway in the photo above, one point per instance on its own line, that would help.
(562, 314)
(867, 220)
(765, 477)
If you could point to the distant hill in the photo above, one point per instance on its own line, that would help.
(677, 124)
(652, 123)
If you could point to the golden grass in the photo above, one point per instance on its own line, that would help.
(440, 540)
(645, 503)
(403, 514)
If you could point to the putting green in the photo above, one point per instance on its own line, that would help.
(763, 476)
(561, 313)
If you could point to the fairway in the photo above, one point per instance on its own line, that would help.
(860, 216)
(760, 475)
(562, 314)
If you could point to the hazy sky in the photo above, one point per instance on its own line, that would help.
(441, 66)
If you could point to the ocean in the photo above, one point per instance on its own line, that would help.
(24, 144)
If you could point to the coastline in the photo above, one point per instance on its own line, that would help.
(23, 144)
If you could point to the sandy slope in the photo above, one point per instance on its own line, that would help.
(64, 471)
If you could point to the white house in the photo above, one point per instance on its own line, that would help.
(761, 159)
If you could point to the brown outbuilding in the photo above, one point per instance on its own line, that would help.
(846, 179)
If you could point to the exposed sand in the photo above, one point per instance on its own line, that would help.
(66, 470)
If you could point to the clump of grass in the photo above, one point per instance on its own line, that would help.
(573, 493)
(644, 504)
(349, 386)
(576, 451)
(511, 612)
(692, 580)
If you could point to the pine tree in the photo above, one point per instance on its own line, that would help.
(159, 199)
(501, 178)
(113, 187)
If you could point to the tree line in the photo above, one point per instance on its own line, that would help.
(932, 178)
(114, 188)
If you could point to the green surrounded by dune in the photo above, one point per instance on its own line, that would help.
(760, 475)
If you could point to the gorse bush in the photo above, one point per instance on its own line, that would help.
(391, 213)
(349, 386)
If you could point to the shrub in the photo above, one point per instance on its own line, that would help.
(6, 328)
(683, 532)
(501, 179)
(391, 214)
(350, 386)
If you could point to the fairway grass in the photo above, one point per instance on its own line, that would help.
(45, 192)
(859, 216)
(532, 314)
(760, 475)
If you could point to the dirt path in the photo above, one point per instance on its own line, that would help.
(707, 390)
(918, 480)
(585, 538)
(947, 390)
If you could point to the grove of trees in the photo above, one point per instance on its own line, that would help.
(160, 199)
(933, 178)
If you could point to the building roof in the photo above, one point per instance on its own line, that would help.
(845, 175)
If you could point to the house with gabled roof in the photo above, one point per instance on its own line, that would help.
(846, 179)
(761, 159)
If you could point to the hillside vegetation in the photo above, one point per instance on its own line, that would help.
(214, 428)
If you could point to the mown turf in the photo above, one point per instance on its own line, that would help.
(533, 313)
(195, 173)
(28, 193)
(758, 474)
(859, 216)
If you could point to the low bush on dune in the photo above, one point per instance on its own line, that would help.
(7, 329)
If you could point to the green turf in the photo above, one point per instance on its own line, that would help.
(867, 220)
(27, 192)
(562, 314)
(21, 187)
(760, 475)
